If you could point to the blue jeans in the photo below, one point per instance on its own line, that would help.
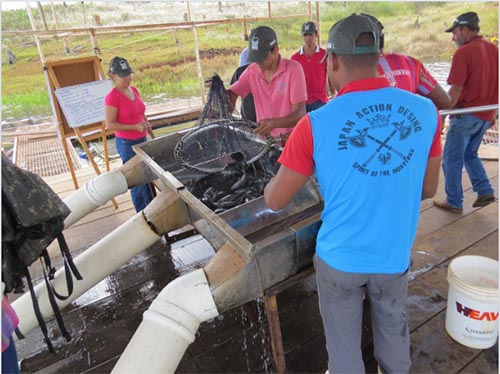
(9, 359)
(313, 106)
(141, 195)
(460, 149)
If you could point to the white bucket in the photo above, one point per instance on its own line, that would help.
(472, 312)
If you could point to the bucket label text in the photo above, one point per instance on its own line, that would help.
(476, 314)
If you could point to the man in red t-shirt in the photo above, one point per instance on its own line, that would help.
(473, 81)
(311, 57)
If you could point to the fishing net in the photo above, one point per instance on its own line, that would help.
(219, 139)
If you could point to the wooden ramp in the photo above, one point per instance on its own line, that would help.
(44, 155)
(39, 150)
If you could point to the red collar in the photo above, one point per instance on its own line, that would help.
(367, 84)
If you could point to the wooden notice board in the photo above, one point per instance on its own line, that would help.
(73, 77)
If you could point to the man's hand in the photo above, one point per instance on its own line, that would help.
(265, 126)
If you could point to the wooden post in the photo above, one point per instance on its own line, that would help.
(93, 39)
(245, 30)
(197, 55)
(273, 319)
(42, 15)
(53, 78)
(103, 125)
(33, 27)
(318, 21)
(65, 39)
(198, 65)
(188, 6)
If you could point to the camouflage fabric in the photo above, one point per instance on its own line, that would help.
(32, 215)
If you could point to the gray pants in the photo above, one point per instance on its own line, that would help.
(341, 305)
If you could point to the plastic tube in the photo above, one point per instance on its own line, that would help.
(169, 326)
(93, 194)
(100, 260)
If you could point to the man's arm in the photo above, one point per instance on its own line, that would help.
(232, 99)
(431, 177)
(282, 188)
(440, 98)
(267, 124)
(455, 92)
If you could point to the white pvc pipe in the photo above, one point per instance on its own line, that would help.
(169, 326)
(473, 109)
(94, 194)
(100, 260)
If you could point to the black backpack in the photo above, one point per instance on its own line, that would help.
(32, 218)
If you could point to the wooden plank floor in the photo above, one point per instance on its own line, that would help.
(104, 319)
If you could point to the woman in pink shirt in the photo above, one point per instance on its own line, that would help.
(124, 114)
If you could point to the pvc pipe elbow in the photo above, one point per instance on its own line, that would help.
(189, 293)
(93, 194)
(169, 326)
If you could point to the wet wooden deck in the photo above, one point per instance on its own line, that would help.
(104, 319)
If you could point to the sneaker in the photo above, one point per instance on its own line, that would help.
(483, 200)
(443, 204)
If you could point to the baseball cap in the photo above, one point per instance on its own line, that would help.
(262, 40)
(343, 35)
(120, 67)
(375, 20)
(379, 25)
(308, 28)
(469, 19)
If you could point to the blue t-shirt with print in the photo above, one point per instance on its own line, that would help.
(370, 150)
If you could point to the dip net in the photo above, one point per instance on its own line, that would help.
(219, 139)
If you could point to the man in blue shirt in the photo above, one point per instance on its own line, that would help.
(376, 152)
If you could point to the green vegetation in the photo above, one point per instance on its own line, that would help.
(164, 61)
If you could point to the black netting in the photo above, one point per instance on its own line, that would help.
(218, 103)
(218, 138)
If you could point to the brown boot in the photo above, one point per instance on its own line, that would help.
(483, 200)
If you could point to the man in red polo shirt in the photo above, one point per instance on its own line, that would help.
(473, 81)
(310, 56)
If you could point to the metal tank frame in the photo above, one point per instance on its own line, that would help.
(271, 245)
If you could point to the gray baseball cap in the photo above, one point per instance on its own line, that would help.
(262, 40)
(343, 35)
(120, 67)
